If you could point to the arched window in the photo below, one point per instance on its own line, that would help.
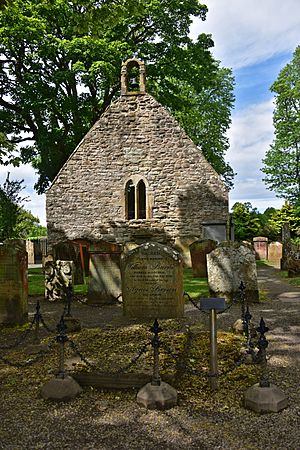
(141, 200)
(135, 200)
(130, 200)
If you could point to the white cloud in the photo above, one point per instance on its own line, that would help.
(249, 31)
(250, 136)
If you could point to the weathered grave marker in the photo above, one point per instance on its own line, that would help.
(228, 265)
(152, 282)
(261, 247)
(199, 250)
(58, 277)
(13, 284)
(104, 274)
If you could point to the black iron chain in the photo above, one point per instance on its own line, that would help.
(119, 371)
(21, 339)
(28, 362)
(207, 312)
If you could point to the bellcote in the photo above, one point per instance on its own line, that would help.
(133, 77)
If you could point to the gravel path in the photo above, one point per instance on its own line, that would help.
(95, 421)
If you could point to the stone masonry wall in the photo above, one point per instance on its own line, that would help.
(136, 138)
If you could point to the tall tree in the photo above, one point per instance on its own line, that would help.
(60, 66)
(246, 221)
(10, 205)
(282, 161)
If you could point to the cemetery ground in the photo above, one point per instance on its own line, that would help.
(111, 419)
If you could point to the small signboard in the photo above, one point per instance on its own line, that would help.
(207, 304)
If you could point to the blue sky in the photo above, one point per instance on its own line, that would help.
(255, 38)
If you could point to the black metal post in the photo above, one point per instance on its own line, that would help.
(262, 345)
(61, 339)
(242, 300)
(68, 293)
(155, 344)
(37, 319)
(248, 317)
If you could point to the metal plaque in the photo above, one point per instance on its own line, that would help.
(206, 304)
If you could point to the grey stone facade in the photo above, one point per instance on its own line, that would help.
(135, 139)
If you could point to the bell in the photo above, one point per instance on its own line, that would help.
(133, 84)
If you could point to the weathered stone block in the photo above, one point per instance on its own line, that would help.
(228, 265)
(13, 284)
(199, 250)
(104, 274)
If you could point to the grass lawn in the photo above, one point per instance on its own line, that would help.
(193, 286)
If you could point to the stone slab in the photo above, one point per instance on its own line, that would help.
(14, 283)
(199, 249)
(152, 282)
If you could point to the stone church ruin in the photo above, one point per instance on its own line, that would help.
(136, 176)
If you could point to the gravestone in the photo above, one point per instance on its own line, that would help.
(58, 277)
(13, 283)
(199, 250)
(30, 252)
(228, 265)
(275, 252)
(286, 245)
(261, 247)
(104, 273)
(293, 264)
(68, 251)
(152, 282)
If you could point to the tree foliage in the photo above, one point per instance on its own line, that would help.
(60, 69)
(282, 161)
(246, 221)
(15, 221)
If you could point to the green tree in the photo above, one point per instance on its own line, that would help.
(28, 226)
(282, 161)
(287, 214)
(246, 221)
(60, 69)
(10, 201)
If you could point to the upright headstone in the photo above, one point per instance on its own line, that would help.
(152, 282)
(104, 274)
(30, 252)
(58, 277)
(13, 284)
(261, 247)
(275, 252)
(228, 265)
(69, 251)
(286, 245)
(199, 250)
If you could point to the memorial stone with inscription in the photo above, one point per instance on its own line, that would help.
(13, 284)
(152, 282)
(104, 273)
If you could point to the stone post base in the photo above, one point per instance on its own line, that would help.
(160, 397)
(61, 389)
(265, 399)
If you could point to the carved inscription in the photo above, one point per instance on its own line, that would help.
(152, 283)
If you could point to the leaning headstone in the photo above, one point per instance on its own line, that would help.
(104, 273)
(293, 264)
(58, 277)
(199, 250)
(152, 282)
(68, 251)
(228, 265)
(13, 284)
(261, 247)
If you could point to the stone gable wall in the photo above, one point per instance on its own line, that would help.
(135, 138)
